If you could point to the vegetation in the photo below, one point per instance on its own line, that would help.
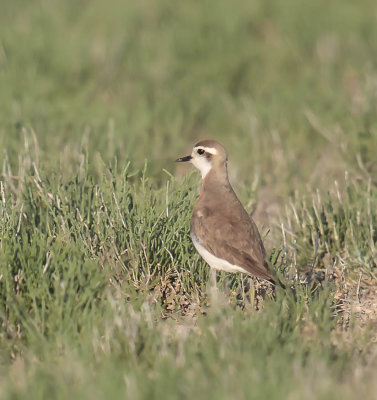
(102, 294)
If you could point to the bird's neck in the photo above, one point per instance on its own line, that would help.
(215, 180)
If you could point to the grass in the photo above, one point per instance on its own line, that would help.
(102, 294)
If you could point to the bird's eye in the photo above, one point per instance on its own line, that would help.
(200, 151)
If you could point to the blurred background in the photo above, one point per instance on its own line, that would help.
(288, 87)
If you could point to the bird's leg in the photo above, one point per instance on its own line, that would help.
(248, 290)
(212, 285)
(243, 290)
(251, 291)
(213, 277)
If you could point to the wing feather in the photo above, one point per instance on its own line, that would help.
(235, 240)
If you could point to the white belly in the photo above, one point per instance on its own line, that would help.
(215, 262)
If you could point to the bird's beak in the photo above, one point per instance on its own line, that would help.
(183, 159)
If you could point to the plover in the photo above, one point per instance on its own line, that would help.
(222, 231)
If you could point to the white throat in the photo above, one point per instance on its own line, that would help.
(203, 165)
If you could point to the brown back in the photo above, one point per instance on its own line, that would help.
(224, 228)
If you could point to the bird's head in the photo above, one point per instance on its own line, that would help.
(207, 155)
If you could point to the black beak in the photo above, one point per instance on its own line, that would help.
(183, 159)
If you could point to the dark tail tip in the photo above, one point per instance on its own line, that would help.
(281, 284)
(277, 283)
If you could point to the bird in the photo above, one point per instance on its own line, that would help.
(222, 231)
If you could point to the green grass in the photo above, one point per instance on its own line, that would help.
(102, 294)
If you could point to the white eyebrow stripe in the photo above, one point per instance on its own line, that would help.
(210, 150)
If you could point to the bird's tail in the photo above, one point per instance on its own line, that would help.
(277, 282)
